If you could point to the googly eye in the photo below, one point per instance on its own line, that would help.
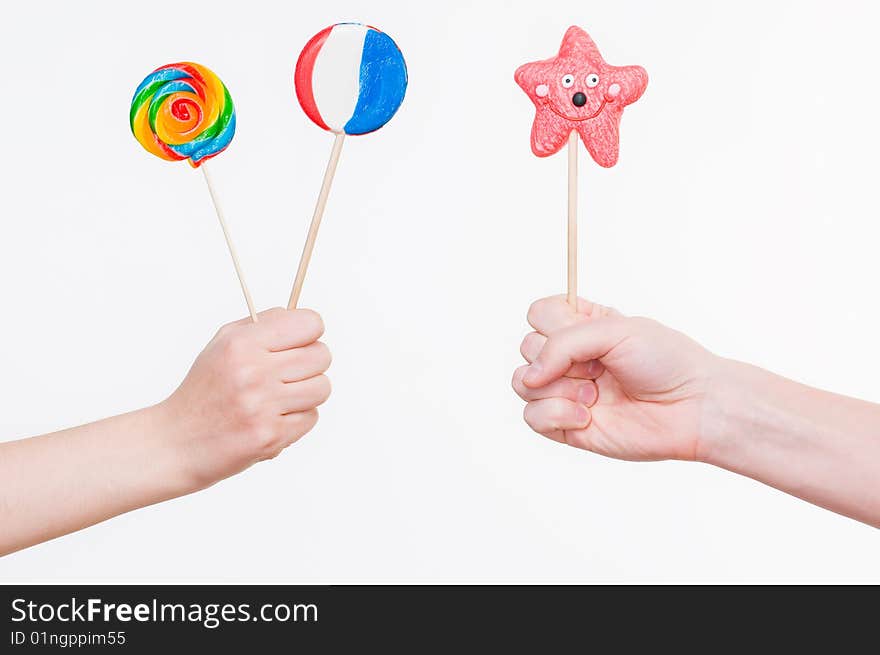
(568, 80)
(592, 80)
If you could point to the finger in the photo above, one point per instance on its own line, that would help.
(265, 315)
(583, 439)
(294, 426)
(534, 342)
(305, 395)
(584, 392)
(531, 345)
(554, 313)
(551, 415)
(577, 343)
(303, 363)
(282, 329)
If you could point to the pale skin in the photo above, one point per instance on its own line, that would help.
(250, 394)
(633, 389)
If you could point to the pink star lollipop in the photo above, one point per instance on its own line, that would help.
(577, 90)
(576, 93)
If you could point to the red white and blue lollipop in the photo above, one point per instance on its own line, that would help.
(350, 80)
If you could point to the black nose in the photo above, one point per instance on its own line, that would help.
(579, 99)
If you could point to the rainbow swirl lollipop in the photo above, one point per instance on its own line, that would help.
(183, 111)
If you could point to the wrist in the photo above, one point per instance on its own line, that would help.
(725, 411)
(170, 466)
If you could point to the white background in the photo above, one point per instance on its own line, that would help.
(743, 211)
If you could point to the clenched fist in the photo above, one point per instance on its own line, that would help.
(624, 387)
(251, 393)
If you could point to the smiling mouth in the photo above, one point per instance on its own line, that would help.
(577, 118)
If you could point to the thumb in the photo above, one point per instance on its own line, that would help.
(576, 343)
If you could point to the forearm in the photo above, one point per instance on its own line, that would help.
(65, 481)
(819, 446)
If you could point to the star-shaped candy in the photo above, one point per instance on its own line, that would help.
(577, 90)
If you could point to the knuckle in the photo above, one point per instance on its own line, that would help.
(535, 311)
(305, 421)
(273, 314)
(527, 415)
(246, 407)
(324, 389)
(528, 343)
(549, 350)
(264, 437)
(517, 380)
(263, 442)
(309, 320)
(531, 417)
(232, 349)
(272, 451)
(536, 343)
(244, 379)
(323, 355)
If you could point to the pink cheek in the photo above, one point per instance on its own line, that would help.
(542, 90)
(613, 91)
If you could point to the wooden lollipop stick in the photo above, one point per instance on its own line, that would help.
(244, 287)
(316, 221)
(572, 219)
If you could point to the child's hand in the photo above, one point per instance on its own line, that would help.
(251, 393)
(650, 384)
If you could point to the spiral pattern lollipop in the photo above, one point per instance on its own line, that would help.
(183, 111)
